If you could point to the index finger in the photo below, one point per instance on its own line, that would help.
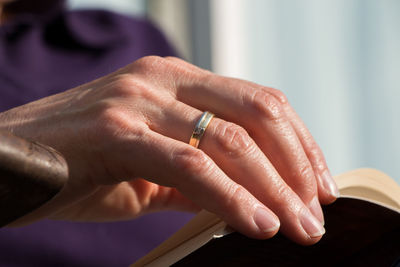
(230, 147)
(327, 189)
(169, 162)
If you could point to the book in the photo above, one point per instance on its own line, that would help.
(362, 229)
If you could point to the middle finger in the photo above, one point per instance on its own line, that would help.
(262, 115)
(241, 159)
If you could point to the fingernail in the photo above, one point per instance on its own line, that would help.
(311, 224)
(329, 184)
(265, 220)
(316, 209)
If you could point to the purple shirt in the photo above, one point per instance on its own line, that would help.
(48, 53)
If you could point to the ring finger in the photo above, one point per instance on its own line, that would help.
(232, 149)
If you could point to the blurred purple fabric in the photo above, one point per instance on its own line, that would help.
(43, 54)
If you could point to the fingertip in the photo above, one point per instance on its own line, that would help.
(316, 210)
(311, 240)
(330, 184)
(266, 221)
(327, 199)
(312, 227)
(327, 189)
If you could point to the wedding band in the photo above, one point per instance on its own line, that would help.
(200, 128)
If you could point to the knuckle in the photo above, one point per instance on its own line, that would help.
(128, 86)
(186, 71)
(284, 193)
(175, 59)
(316, 158)
(148, 66)
(233, 139)
(110, 113)
(183, 65)
(306, 172)
(121, 86)
(314, 152)
(148, 62)
(279, 95)
(267, 105)
(191, 160)
(111, 120)
(236, 196)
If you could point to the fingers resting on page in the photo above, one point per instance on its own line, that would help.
(257, 165)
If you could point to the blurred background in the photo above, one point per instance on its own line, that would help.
(338, 61)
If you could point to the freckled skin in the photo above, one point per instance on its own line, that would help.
(125, 138)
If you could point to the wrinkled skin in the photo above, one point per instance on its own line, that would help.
(125, 138)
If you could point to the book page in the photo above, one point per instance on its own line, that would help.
(368, 184)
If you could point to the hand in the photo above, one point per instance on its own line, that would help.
(125, 138)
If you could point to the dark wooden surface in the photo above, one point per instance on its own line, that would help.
(30, 175)
(359, 233)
